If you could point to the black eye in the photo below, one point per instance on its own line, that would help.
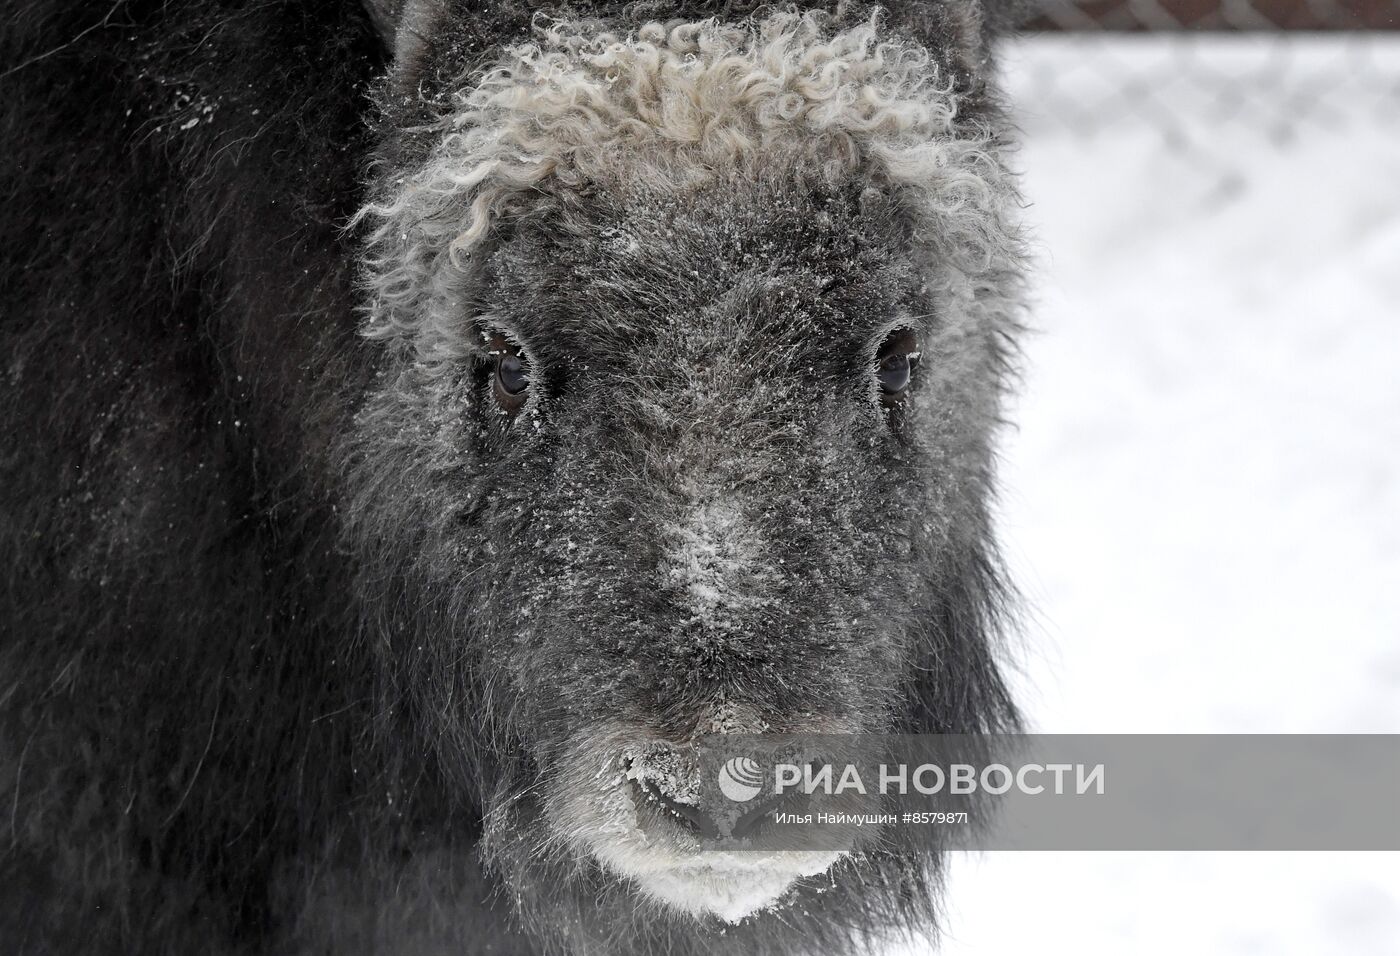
(894, 365)
(511, 372)
(894, 373)
(511, 377)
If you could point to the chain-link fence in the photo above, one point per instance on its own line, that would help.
(1188, 68)
(1135, 15)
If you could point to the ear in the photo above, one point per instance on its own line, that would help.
(959, 19)
(404, 27)
(384, 14)
(1000, 17)
(961, 33)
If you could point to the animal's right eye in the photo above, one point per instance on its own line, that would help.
(510, 372)
(895, 362)
(510, 377)
(893, 373)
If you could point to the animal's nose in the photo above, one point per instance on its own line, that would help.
(666, 790)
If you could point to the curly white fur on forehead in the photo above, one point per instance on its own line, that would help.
(672, 106)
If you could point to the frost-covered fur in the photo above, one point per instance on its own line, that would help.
(306, 644)
(672, 106)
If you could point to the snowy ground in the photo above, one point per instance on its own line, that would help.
(1203, 498)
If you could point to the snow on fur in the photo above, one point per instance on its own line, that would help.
(671, 106)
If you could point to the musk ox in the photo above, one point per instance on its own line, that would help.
(424, 420)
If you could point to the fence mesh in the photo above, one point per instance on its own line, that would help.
(1276, 69)
(1138, 15)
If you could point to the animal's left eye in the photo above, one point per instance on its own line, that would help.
(510, 378)
(895, 363)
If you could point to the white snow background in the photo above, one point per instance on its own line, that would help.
(1201, 497)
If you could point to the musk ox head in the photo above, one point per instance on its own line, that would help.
(694, 335)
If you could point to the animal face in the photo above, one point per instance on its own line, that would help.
(692, 353)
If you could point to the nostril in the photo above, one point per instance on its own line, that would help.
(687, 814)
(665, 781)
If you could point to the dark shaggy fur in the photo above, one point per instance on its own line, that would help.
(296, 628)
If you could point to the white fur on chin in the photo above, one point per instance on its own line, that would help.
(732, 886)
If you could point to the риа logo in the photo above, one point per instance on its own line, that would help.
(741, 779)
